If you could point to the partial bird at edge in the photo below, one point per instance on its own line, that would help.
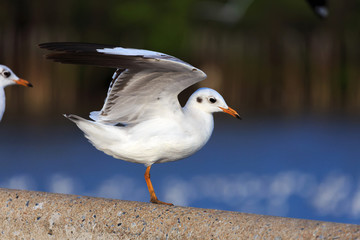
(8, 78)
(319, 7)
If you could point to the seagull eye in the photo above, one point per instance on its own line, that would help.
(6, 74)
(212, 100)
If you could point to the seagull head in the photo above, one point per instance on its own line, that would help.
(7, 78)
(209, 100)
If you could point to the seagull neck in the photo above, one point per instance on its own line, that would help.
(2, 102)
(199, 117)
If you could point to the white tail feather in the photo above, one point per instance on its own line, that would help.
(94, 115)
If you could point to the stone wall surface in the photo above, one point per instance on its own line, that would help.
(40, 215)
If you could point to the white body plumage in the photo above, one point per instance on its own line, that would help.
(161, 139)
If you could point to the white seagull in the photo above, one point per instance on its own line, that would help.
(7, 78)
(142, 120)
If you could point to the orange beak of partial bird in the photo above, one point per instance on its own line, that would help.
(23, 82)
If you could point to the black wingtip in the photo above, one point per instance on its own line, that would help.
(73, 46)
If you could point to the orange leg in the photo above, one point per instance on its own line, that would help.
(153, 197)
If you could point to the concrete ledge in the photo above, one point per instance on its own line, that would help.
(39, 215)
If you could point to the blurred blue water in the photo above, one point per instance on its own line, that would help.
(303, 168)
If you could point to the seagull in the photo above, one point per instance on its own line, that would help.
(7, 78)
(142, 120)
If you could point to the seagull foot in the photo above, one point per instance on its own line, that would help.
(157, 201)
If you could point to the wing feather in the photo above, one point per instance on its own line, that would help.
(145, 84)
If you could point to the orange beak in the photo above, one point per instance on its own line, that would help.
(23, 82)
(231, 111)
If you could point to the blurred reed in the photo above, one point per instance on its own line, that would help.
(273, 61)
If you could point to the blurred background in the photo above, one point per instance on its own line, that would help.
(294, 78)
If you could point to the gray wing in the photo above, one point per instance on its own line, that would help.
(145, 84)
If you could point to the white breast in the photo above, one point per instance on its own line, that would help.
(2, 102)
(157, 140)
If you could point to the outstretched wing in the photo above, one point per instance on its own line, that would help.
(146, 83)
